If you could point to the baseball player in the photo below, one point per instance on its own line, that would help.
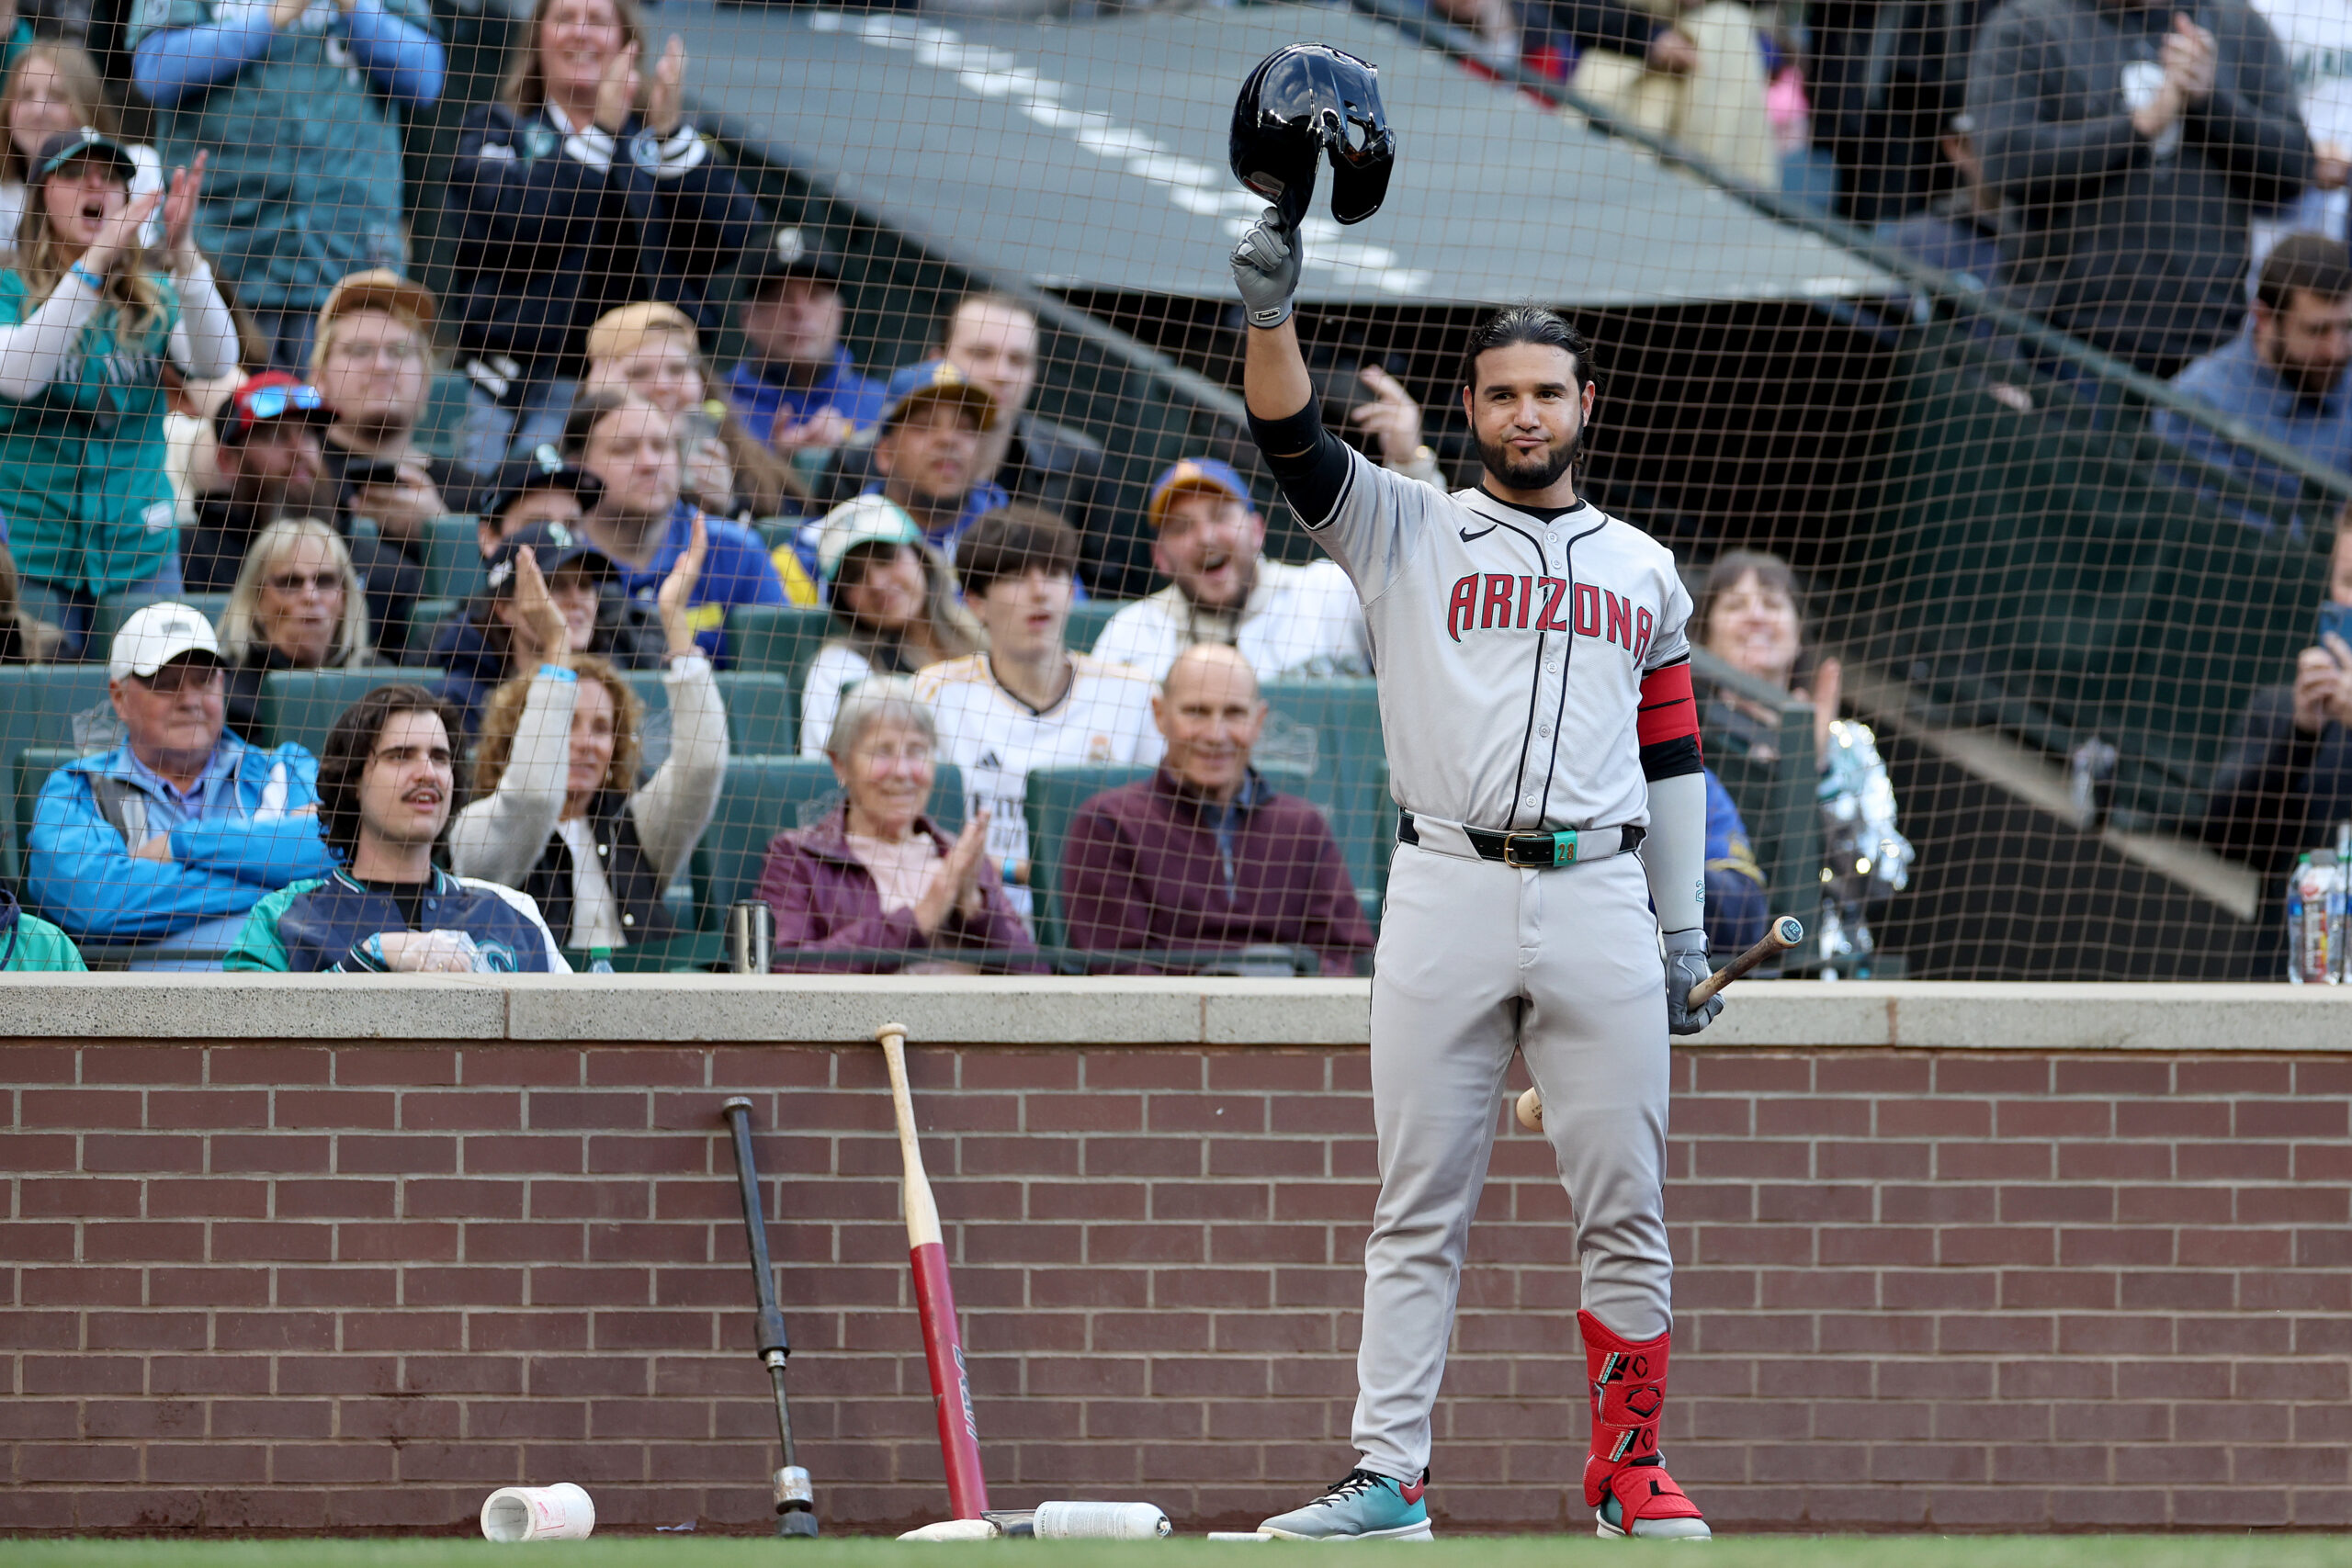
(1535, 693)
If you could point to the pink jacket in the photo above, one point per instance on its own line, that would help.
(828, 911)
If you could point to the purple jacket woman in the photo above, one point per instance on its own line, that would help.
(829, 912)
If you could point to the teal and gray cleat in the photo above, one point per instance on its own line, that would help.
(1365, 1506)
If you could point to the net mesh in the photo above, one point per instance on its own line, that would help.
(1982, 368)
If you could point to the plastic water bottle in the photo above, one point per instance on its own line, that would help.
(600, 961)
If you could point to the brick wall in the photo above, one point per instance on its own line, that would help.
(289, 1288)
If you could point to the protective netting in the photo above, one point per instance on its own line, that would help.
(864, 385)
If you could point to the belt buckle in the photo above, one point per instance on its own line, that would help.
(1557, 849)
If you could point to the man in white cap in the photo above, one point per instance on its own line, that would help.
(1209, 540)
(165, 842)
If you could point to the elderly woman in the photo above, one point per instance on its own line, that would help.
(1750, 615)
(297, 605)
(874, 875)
(896, 609)
(558, 812)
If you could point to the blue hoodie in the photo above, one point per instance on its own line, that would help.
(243, 834)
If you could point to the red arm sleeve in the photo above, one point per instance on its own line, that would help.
(1669, 722)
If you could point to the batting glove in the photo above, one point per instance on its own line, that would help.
(1266, 268)
(1686, 965)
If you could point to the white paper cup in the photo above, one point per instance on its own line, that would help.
(561, 1512)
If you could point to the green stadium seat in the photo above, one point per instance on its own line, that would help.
(763, 708)
(1054, 797)
(780, 638)
(116, 608)
(1329, 732)
(31, 771)
(450, 554)
(1087, 621)
(298, 706)
(38, 705)
(439, 431)
(764, 795)
(425, 619)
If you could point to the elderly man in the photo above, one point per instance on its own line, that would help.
(386, 783)
(1204, 854)
(167, 840)
(1208, 541)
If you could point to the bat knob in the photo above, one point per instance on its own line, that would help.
(1529, 1110)
(738, 1102)
(887, 1030)
(1788, 931)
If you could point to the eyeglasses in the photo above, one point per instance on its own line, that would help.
(393, 354)
(296, 582)
(272, 402)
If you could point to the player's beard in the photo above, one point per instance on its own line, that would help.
(1540, 472)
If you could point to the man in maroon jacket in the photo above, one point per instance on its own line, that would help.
(1204, 854)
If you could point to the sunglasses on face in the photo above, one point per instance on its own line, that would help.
(291, 582)
(271, 402)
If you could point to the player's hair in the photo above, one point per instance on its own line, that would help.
(1528, 323)
(2312, 262)
(1013, 541)
(351, 745)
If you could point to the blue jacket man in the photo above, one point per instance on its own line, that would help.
(168, 840)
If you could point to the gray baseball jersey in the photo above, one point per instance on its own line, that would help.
(1512, 653)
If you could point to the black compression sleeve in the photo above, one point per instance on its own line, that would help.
(1308, 461)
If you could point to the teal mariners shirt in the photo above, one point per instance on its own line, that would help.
(304, 185)
(81, 480)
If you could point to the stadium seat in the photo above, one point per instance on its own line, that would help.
(1087, 621)
(38, 707)
(779, 638)
(764, 795)
(116, 608)
(424, 621)
(298, 706)
(1328, 731)
(31, 770)
(763, 708)
(1054, 797)
(450, 553)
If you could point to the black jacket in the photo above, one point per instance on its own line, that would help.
(2278, 790)
(212, 552)
(2137, 248)
(550, 237)
(635, 887)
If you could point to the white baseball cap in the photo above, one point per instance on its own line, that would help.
(156, 636)
(863, 520)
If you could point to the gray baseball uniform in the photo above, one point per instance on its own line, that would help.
(1533, 677)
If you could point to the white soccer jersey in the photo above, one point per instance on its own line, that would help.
(996, 738)
(1512, 650)
(1300, 620)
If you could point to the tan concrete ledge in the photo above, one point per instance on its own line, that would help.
(819, 1010)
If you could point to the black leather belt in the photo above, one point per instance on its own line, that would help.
(1532, 852)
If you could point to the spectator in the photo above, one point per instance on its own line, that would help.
(297, 605)
(1693, 73)
(1960, 232)
(84, 329)
(15, 33)
(1028, 701)
(2283, 376)
(291, 213)
(1887, 78)
(584, 188)
(2131, 144)
(895, 605)
(992, 341)
(2318, 41)
(1737, 908)
(373, 362)
(2286, 780)
(28, 943)
(639, 521)
(499, 637)
(385, 786)
(1209, 541)
(652, 351)
(52, 88)
(876, 875)
(558, 810)
(541, 488)
(1749, 615)
(924, 456)
(1205, 854)
(266, 455)
(797, 388)
(23, 640)
(168, 840)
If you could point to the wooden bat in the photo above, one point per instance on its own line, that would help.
(951, 1385)
(1779, 937)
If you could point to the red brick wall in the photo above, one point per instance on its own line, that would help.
(290, 1287)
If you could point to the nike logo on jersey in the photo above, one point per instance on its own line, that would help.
(1497, 601)
(1468, 537)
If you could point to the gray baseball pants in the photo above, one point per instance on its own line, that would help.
(1476, 960)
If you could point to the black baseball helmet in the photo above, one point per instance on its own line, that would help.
(1303, 101)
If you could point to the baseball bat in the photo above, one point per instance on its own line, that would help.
(951, 1385)
(1783, 935)
(795, 1504)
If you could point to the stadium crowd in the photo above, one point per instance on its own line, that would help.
(534, 545)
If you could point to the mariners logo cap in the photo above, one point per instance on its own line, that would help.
(863, 520)
(1205, 474)
(937, 381)
(792, 252)
(87, 142)
(157, 635)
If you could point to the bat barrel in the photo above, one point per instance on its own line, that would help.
(951, 1383)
